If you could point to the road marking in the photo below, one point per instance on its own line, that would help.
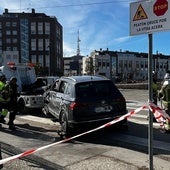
(37, 119)
(142, 141)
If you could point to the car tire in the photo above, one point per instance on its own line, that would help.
(64, 131)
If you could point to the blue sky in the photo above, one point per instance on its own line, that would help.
(101, 24)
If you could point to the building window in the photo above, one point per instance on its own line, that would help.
(15, 48)
(58, 31)
(33, 44)
(40, 44)
(15, 56)
(33, 59)
(14, 24)
(137, 64)
(14, 40)
(47, 61)
(8, 32)
(108, 65)
(14, 32)
(47, 44)
(8, 24)
(40, 60)
(33, 28)
(8, 48)
(0, 42)
(47, 28)
(103, 63)
(8, 40)
(40, 28)
(0, 25)
(125, 63)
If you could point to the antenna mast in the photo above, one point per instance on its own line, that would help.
(78, 45)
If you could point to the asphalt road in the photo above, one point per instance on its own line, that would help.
(104, 149)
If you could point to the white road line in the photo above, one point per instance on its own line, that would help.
(37, 119)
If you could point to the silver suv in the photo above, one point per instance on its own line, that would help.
(83, 101)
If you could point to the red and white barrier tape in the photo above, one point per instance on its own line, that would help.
(158, 113)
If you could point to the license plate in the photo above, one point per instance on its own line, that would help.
(103, 109)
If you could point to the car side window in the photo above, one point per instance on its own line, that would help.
(45, 82)
(68, 90)
(55, 86)
(62, 87)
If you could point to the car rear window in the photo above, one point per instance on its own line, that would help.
(97, 89)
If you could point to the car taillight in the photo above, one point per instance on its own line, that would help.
(76, 105)
(122, 99)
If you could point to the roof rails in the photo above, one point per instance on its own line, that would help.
(101, 76)
(71, 78)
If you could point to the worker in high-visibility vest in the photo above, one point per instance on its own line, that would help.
(4, 99)
(164, 95)
(12, 86)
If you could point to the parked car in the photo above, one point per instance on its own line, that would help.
(48, 80)
(79, 101)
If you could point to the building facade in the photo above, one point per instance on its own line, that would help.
(73, 65)
(32, 37)
(126, 65)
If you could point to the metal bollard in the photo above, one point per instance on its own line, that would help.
(1, 166)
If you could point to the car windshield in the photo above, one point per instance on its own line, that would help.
(96, 89)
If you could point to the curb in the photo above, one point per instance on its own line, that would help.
(31, 158)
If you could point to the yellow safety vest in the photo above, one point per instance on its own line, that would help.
(166, 97)
(5, 92)
(2, 85)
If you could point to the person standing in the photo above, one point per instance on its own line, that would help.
(12, 86)
(4, 99)
(164, 95)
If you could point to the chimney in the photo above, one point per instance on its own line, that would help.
(6, 11)
(33, 10)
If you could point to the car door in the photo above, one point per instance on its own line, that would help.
(61, 96)
(51, 97)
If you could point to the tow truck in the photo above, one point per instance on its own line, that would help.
(29, 98)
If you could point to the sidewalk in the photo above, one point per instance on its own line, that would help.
(75, 154)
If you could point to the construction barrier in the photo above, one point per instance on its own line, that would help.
(160, 116)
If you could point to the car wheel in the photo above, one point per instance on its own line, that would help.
(64, 129)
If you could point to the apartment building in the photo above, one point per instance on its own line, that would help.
(32, 37)
(73, 65)
(125, 65)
